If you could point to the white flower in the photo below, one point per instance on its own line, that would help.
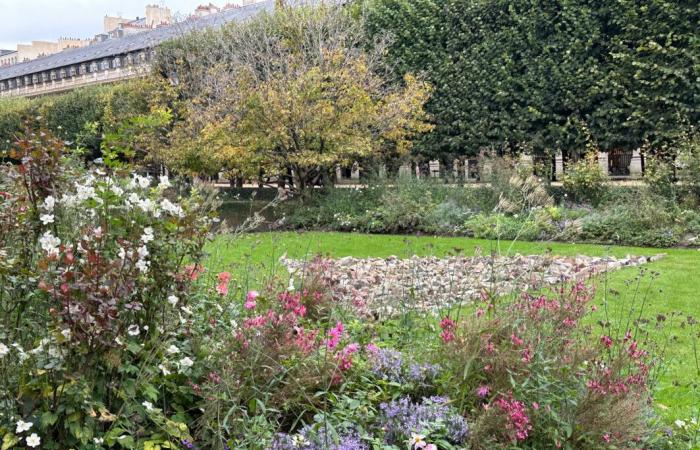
(186, 310)
(122, 253)
(142, 265)
(133, 198)
(146, 205)
(84, 192)
(417, 440)
(171, 208)
(133, 330)
(116, 190)
(23, 426)
(143, 182)
(164, 369)
(172, 299)
(148, 405)
(186, 363)
(147, 235)
(299, 441)
(98, 440)
(49, 243)
(66, 334)
(680, 423)
(49, 203)
(290, 288)
(173, 350)
(33, 440)
(164, 182)
(4, 350)
(142, 252)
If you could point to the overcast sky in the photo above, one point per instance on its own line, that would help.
(22, 21)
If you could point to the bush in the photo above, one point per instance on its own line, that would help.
(95, 275)
(537, 376)
(584, 181)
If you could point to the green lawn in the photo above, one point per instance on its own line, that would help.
(673, 293)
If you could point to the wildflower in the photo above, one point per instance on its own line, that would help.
(33, 440)
(250, 300)
(606, 438)
(133, 330)
(606, 341)
(49, 203)
(680, 423)
(290, 288)
(483, 391)
(222, 287)
(172, 299)
(98, 441)
(334, 335)
(4, 350)
(122, 253)
(116, 190)
(142, 265)
(193, 271)
(186, 363)
(417, 440)
(431, 447)
(148, 405)
(371, 348)
(49, 243)
(163, 182)
(23, 426)
(173, 350)
(164, 370)
(147, 235)
(448, 326)
(171, 208)
(479, 312)
(66, 334)
(46, 219)
(345, 357)
(515, 340)
(299, 441)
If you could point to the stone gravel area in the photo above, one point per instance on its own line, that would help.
(430, 282)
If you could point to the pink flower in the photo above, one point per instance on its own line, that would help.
(515, 340)
(371, 348)
(193, 271)
(222, 287)
(431, 447)
(535, 406)
(606, 341)
(250, 300)
(519, 422)
(483, 391)
(448, 326)
(344, 357)
(479, 313)
(606, 437)
(334, 335)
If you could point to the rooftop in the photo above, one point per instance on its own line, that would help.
(131, 43)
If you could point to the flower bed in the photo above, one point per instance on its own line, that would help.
(114, 335)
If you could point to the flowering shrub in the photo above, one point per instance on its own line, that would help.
(93, 283)
(538, 376)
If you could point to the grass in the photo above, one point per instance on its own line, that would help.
(669, 288)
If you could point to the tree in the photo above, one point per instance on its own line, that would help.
(291, 92)
(541, 72)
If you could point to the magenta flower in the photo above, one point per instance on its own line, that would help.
(250, 300)
(483, 391)
(334, 335)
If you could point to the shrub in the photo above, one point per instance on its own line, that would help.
(584, 180)
(537, 376)
(95, 268)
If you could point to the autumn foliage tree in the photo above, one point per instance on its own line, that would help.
(292, 92)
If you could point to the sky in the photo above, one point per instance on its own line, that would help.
(22, 21)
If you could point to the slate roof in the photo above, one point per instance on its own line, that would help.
(130, 43)
(6, 52)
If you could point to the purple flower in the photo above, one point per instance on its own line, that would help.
(388, 364)
(318, 439)
(433, 417)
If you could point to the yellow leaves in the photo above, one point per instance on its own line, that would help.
(9, 440)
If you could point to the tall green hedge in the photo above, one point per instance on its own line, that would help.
(546, 73)
(81, 116)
